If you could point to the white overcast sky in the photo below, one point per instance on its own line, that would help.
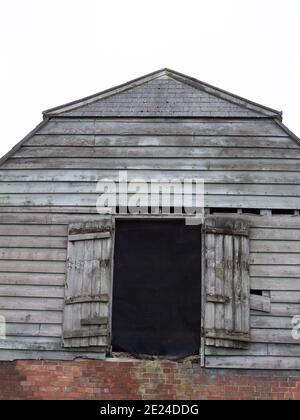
(55, 51)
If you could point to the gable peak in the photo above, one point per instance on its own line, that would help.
(160, 94)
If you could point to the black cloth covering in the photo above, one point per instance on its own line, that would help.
(157, 288)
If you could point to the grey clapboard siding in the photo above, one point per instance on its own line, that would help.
(152, 152)
(271, 322)
(50, 182)
(282, 283)
(36, 329)
(39, 279)
(90, 188)
(261, 349)
(33, 253)
(232, 176)
(34, 230)
(39, 309)
(65, 216)
(41, 317)
(32, 291)
(184, 164)
(264, 362)
(33, 303)
(285, 309)
(90, 200)
(231, 156)
(32, 242)
(32, 278)
(159, 141)
(285, 297)
(17, 266)
(275, 246)
(12, 354)
(176, 127)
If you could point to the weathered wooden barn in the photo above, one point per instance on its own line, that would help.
(72, 280)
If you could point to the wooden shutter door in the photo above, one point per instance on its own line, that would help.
(227, 312)
(87, 291)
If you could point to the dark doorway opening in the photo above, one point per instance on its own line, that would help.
(157, 288)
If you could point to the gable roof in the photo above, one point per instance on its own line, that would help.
(164, 93)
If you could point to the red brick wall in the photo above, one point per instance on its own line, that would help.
(140, 380)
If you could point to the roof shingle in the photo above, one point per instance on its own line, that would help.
(164, 94)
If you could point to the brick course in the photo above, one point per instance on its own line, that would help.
(109, 380)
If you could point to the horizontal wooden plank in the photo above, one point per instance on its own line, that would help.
(274, 270)
(32, 266)
(174, 127)
(31, 303)
(123, 163)
(274, 246)
(54, 215)
(25, 329)
(9, 355)
(274, 222)
(276, 234)
(28, 341)
(275, 259)
(273, 336)
(269, 283)
(32, 317)
(44, 345)
(31, 344)
(90, 188)
(253, 350)
(284, 350)
(90, 200)
(250, 189)
(271, 322)
(33, 230)
(285, 309)
(33, 242)
(66, 215)
(59, 215)
(32, 279)
(285, 297)
(231, 176)
(32, 291)
(33, 254)
(43, 348)
(264, 362)
(153, 152)
(92, 140)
